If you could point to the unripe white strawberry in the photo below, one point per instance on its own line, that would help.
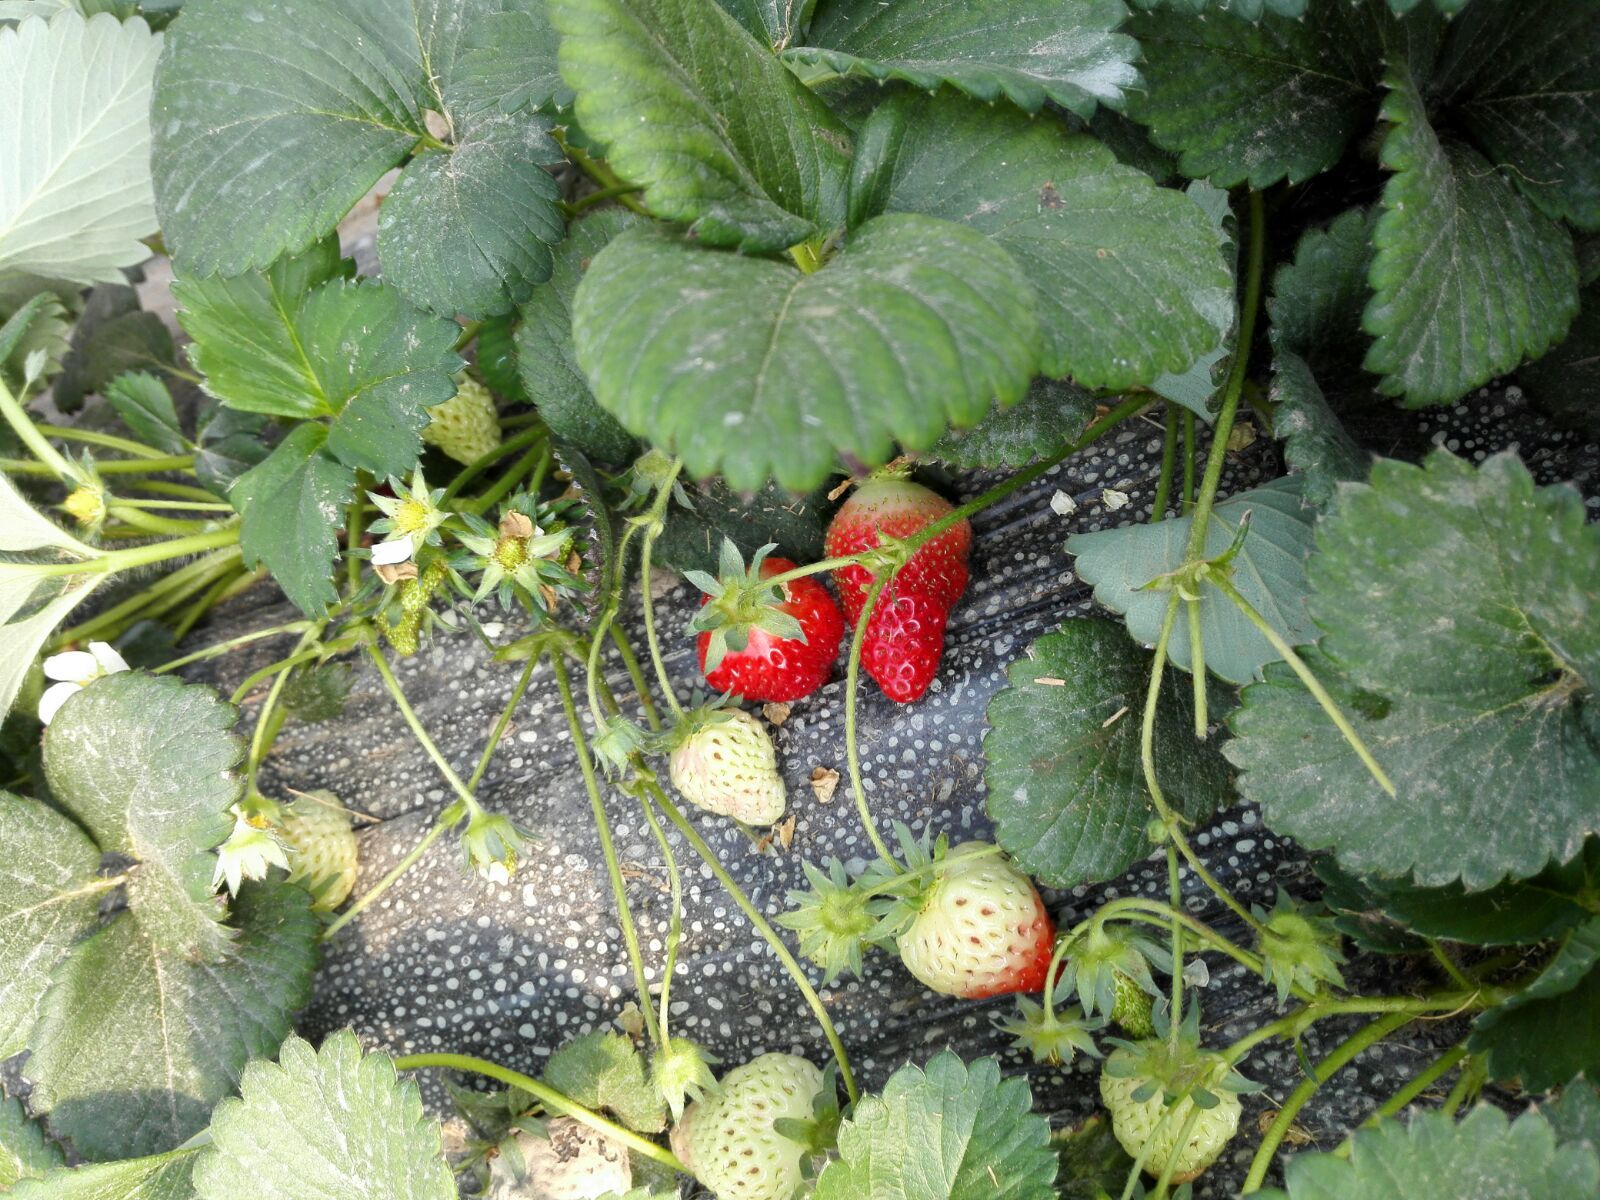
(728, 1139)
(466, 426)
(728, 766)
(1135, 1121)
(322, 848)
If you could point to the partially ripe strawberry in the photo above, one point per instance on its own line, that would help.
(725, 764)
(1135, 1122)
(903, 645)
(322, 848)
(728, 1139)
(466, 426)
(980, 928)
(891, 507)
(777, 643)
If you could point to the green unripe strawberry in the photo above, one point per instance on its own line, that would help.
(729, 1140)
(1132, 1007)
(322, 848)
(1162, 1132)
(725, 764)
(466, 426)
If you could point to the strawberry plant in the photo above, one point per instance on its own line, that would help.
(351, 349)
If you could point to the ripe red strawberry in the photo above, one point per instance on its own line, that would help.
(893, 507)
(763, 642)
(905, 639)
(979, 929)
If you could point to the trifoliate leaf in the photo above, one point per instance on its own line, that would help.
(950, 1131)
(1269, 571)
(134, 1047)
(1516, 1035)
(1242, 101)
(916, 325)
(292, 501)
(75, 194)
(1469, 278)
(331, 1122)
(300, 341)
(1128, 277)
(24, 1151)
(1462, 639)
(146, 762)
(693, 537)
(1042, 425)
(546, 361)
(670, 88)
(1061, 50)
(1565, 383)
(1317, 300)
(603, 1070)
(1486, 1154)
(1524, 81)
(1315, 445)
(1066, 788)
(777, 22)
(48, 897)
(506, 62)
(157, 1177)
(145, 406)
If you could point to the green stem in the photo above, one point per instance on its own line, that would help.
(510, 446)
(165, 593)
(352, 536)
(165, 487)
(339, 646)
(1364, 1038)
(120, 466)
(597, 170)
(503, 486)
(1470, 1080)
(139, 556)
(1197, 670)
(91, 437)
(852, 747)
(208, 599)
(448, 819)
(1169, 454)
(762, 926)
(646, 600)
(551, 1099)
(151, 523)
(504, 720)
(421, 734)
(1188, 462)
(583, 203)
(675, 928)
(1445, 961)
(50, 459)
(608, 850)
(181, 505)
(630, 662)
(1175, 897)
(269, 721)
(233, 643)
(1418, 1084)
(1153, 912)
(1313, 685)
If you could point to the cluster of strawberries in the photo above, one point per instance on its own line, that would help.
(904, 639)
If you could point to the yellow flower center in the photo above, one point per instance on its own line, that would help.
(511, 552)
(412, 517)
(86, 505)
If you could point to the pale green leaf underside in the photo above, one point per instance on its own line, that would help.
(1315, 445)
(950, 1131)
(1484, 1155)
(1258, 102)
(331, 1122)
(1461, 636)
(1066, 787)
(1128, 276)
(1043, 424)
(749, 367)
(1469, 278)
(133, 1048)
(47, 898)
(1061, 50)
(146, 762)
(75, 195)
(158, 1177)
(692, 107)
(1269, 571)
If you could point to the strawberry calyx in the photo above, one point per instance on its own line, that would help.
(1299, 946)
(739, 602)
(1105, 959)
(681, 1072)
(1052, 1036)
(832, 918)
(1176, 1067)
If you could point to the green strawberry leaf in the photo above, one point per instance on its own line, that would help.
(1469, 278)
(1486, 1154)
(1066, 788)
(1524, 81)
(1241, 101)
(145, 406)
(777, 22)
(157, 1177)
(1461, 637)
(1043, 424)
(506, 62)
(604, 1070)
(302, 341)
(917, 325)
(25, 1153)
(270, 127)
(1061, 50)
(1316, 447)
(1269, 571)
(292, 502)
(1318, 299)
(330, 1122)
(1575, 1114)
(1516, 1035)
(692, 538)
(667, 85)
(76, 144)
(1565, 383)
(230, 442)
(145, 763)
(105, 346)
(546, 362)
(49, 895)
(496, 356)
(134, 1047)
(1083, 228)
(950, 1131)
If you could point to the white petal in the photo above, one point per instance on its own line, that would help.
(387, 554)
(74, 666)
(54, 697)
(109, 660)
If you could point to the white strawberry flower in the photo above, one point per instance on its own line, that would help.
(411, 519)
(73, 671)
(249, 853)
